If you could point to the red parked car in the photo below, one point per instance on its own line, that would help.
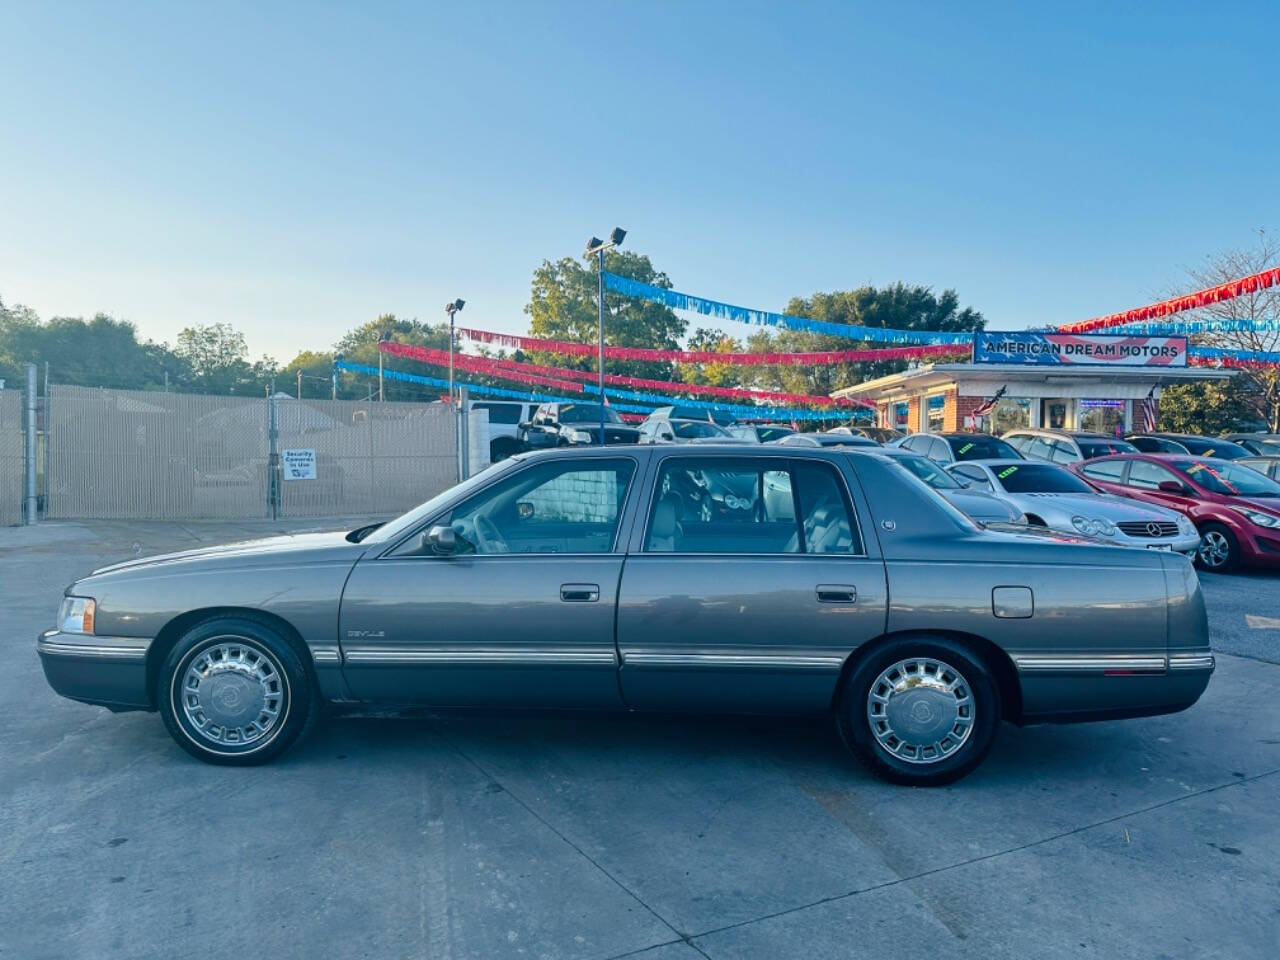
(1236, 509)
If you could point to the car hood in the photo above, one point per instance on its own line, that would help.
(980, 506)
(1270, 504)
(297, 546)
(1093, 505)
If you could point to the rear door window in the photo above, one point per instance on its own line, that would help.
(749, 506)
(1148, 476)
(1108, 471)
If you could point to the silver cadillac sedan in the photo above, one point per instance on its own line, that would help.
(751, 579)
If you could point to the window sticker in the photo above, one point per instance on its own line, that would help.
(1007, 472)
(1195, 467)
(966, 448)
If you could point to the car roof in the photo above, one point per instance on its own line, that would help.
(993, 462)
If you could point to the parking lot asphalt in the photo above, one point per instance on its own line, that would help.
(494, 835)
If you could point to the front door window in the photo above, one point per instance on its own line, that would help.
(559, 506)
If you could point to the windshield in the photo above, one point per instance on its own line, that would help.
(1104, 448)
(767, 434)
(1229, 479)
(696, 429)
(1222, 449)
(982, 448)
(586, 413)
(1039, 478)
(394, 528)
(1269, 446)
(930, 473)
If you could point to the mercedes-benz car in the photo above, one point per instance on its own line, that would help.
(747, 579)
(1052, 496)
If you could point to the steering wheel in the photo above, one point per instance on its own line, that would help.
(487, 533)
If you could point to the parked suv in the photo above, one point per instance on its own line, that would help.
(1236, 509)
(573, 424)
(679, 430)
(505, 417)
(1062, 446)
(947, 448)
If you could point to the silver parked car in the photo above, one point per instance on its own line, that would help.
(974, 503)
(1054, 497)
(745, 579)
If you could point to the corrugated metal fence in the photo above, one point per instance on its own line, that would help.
(143, 455)
(11, 462)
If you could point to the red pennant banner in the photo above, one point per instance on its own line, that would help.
(1191, 301)
(562, 378)
(569, 349)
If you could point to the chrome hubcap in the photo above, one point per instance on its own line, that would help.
(1214, 549)
(921, 710)
(233, 693)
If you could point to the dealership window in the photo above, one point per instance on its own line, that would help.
(1011, 413)
(902, 417)
(1102, 416)
(935, 408)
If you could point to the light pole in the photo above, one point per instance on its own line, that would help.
(383, 337)
(451, 308)
(598, 247)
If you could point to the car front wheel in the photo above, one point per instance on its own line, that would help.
(1219, 550)
(233, 691)
(921, 712)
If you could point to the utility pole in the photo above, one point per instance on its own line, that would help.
(299, 384)
(31, 445)
(598, 247)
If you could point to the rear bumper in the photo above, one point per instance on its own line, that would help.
(1074, 687)
(107, 671)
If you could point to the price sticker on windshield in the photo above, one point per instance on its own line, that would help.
(1006, 472)
(966, 448)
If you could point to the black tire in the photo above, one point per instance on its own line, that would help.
(1219, 536)
(961, 669)
(257, 686)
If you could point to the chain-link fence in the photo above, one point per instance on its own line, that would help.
(143, 455)
(11, 459)
(362, 457)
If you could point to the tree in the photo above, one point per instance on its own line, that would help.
(361, 346)
(715, 374)
(1205, 407)
(1260, 393)
(217, 359)
(898, 306)
(102, 352)
(563, 306)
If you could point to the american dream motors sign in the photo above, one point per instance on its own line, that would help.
(1078, 349)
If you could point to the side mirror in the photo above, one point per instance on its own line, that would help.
(1171, 486)
(524, 425)
(440, 540)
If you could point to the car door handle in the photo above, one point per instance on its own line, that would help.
(580, 592)
(837, 593)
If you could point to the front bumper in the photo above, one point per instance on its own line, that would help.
(107, 671)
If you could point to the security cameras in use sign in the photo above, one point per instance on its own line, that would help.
(298, 464)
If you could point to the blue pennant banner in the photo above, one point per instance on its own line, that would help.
(714, 308)
(1190, 327)
(742, 412)
(1244, 356)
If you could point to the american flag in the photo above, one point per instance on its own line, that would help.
(985, 408)
(1149, 412)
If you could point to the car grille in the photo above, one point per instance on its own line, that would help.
(1148, 528)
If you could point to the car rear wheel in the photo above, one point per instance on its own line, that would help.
(1219, 549)
(233, 691)
(919, 711)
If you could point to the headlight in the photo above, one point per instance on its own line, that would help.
(1094, 528)
(1185, 525)
(579, 436)
(76, 615)
(1269, 520)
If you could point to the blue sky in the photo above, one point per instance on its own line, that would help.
(298, 169)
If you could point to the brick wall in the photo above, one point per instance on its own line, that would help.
(958, 408)
(913, 415)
